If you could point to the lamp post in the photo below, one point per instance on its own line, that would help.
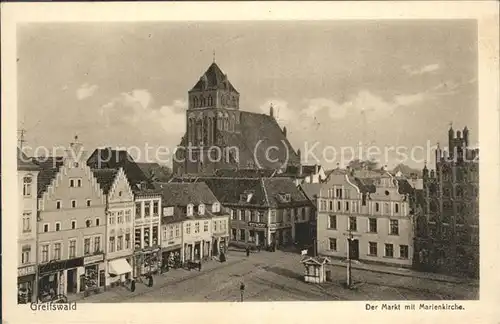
(349, 242)
(242, 290)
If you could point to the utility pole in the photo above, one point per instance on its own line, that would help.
(349, 242)
(21, 139)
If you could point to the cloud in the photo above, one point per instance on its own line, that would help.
(135, 109)
(422, 70)
(85, 91)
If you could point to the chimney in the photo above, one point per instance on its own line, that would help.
(284, 130)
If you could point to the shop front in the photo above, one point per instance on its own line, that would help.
(94, 273)
(257, 233)
(26, 284)
(52, 279)
(119, 270)
(147, 261)
(171, 257)
(197, 250)
(219, 244)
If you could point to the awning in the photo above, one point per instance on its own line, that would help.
(119, 267)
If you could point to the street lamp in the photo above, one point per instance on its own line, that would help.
(242, 290)
(350, 238)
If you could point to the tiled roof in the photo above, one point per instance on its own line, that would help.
(311, 190)
(182, 194)
(105, 178)
(245, 173)
(24, 163)
(277, 186)
(49, 167)
(214, 78)
(114, 159)
(404, 187)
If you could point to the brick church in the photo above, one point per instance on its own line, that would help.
(221, 136)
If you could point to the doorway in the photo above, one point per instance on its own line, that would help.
(72, 281)
(354, 249)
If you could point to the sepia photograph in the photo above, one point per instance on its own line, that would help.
(240, 161)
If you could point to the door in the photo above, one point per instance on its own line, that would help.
(354, 249)
(72, 281)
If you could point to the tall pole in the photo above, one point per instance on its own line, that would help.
(349, 239)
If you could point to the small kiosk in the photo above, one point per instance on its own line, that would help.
(315, 270)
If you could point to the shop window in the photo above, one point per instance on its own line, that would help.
(27, 184)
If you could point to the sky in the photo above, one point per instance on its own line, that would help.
(126, 84)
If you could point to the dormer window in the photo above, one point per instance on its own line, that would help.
(246, 197)
(215, 207)
(189, 210)
(285, 197)
(201, 209)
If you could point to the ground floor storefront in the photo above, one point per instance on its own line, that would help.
(219, 244)
(65, 277)
(26, 279)
(252, 234)
(197, 250)
(147, 261)
(281, 236)
(171, 257)
(119, 271)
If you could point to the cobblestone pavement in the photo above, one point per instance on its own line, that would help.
(278, 276)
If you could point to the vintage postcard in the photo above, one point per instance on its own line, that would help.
(250, 161)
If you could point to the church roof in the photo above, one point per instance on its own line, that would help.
(214, 78)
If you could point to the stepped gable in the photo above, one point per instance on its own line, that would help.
(105, 178)
(49, 167)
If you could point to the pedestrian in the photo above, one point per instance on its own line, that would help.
(258, 247)
(199, 266)
(132, 285)
(150, 280)
(248, 251)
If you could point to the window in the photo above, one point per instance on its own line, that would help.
(373, 225)
(73, 204)
(73, 224)
(347, 206)
(331, 205)
(372, 248)
(396, 208)
(79, 182)
(72, 183)
(45, 253)
(386, 208)
(119, 243)
(338, 193)
(27, 182)
(97, 222)
(127, 241)
(138, 207)
(201, 209)
(111, 219)
(205, 226)
(363, 201)
(332, 244)
(171, 231)
(89, 202)
(58, 226)
(323, 205)
(72, 248)
(156, 207)
(119, 219)
(164, 232)
(57, 251)
(147, 209)
(58, 204)
(239, 214)
(111, 244)
(128, 216)
(394, 230)
(233, 214)
(377, 207)
(242, 234)
(177, 230)
(88, 223)
(97, 244)
(389, 251)
(197, 227)
(247, 215)
(86, 246)
(215, 226)
(188, 228)
(403, 251)
(233, 234)
(25, 255)
(339, 207)
(26, 222)
(189, 210)
(45, 228)
(353, 226)
(332, 222)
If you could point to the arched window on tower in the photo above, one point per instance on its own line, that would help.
(195, 102)
(203, 101)
(219, 122)
(226, 122)
(210, 101)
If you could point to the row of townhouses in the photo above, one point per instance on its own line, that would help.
(87, 224)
